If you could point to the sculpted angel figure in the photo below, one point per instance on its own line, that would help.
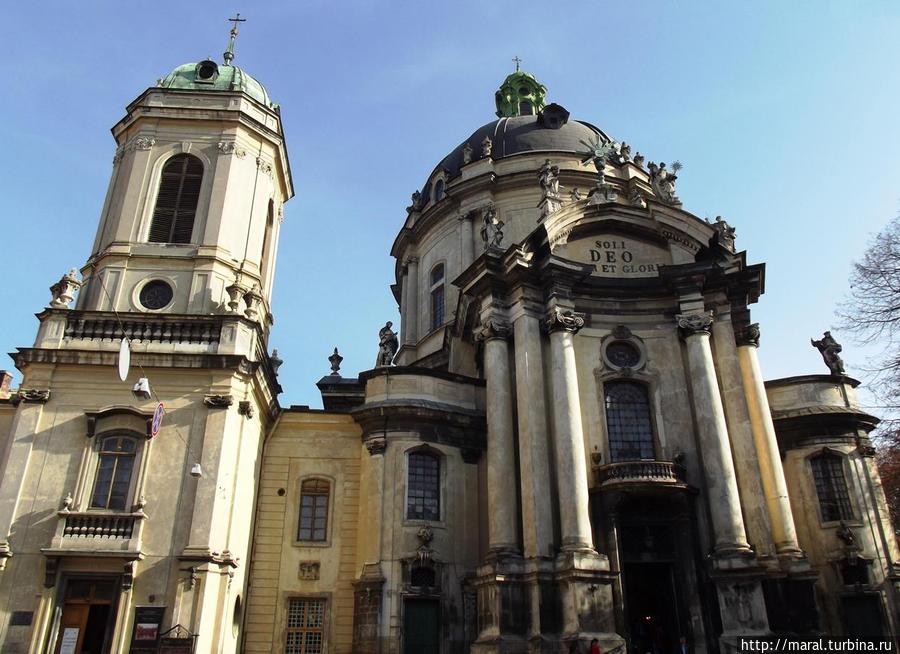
(663, 181)
(491, 228)
(549, 178)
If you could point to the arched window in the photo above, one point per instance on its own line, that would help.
(831, 487)
(628, 421)
(114, 470)
(423, 487)
(314, 510)
(437, 296)
(176, 201)
(438, 190)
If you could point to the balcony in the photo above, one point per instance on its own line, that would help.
(97, 533)
(640, 475)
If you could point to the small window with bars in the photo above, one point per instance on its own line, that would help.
(628, 423)
(423, 496)
(437, 296)
(176, 200)
(314, 510)
(831, 487)
(305, 626)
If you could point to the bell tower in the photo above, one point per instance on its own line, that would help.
(192, 215)
(98, 495)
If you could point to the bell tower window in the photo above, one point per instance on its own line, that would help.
(176, 201)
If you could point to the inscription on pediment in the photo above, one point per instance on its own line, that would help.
(617, 256)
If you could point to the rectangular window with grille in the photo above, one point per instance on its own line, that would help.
(423, 494)
(305, 626)
(831, 487)
(314, 510)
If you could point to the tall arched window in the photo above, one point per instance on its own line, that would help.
(831, 487)
(114, 470)
(314, 510)
(423, 487)
(628, 421)
(176, 201)
(437, 296)
(438, 190)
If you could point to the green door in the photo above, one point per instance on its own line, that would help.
(421, 626)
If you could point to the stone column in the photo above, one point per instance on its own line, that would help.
(778, 503)
(534, 458)
(411, 331)
(571, 469)
(467, 245)
(404, 303)
(501, 460)
(712, 433)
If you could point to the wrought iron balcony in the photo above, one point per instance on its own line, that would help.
(640, 474)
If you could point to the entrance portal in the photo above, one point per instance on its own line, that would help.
(651, 607)
(421, 626)
(87, 616)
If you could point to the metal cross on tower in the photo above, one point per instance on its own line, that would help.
(515, 59)
(229, 51)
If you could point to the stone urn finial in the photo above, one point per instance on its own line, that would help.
(64, 290)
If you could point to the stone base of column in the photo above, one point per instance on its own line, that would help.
(585, 586)
(504, 607)
(742, 606)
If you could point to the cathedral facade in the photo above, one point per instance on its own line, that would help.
(568, 439)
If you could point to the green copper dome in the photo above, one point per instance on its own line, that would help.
(520, 95)
(210, 76)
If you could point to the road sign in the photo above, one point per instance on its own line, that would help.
(157, 419)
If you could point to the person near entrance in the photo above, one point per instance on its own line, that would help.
(595, 646)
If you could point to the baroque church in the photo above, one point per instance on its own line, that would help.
(568, 438)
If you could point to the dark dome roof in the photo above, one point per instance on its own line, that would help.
(519, 134)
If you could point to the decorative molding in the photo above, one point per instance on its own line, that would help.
(245, 409)
(143, 143)
(748, 335)
(493, 327)
(231, 147)
(35, 395)
(692, 324)
(51, 565)
(218, 401)
(119, 155)
(308, 570)
(376, 445)
(128, 575)
(621, 333)
(264, 166)
(558, 320)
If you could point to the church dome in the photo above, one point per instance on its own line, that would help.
(525, 125)
(209, 76)
(519, 134)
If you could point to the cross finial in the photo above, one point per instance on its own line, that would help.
(229, 51)
(516, 60)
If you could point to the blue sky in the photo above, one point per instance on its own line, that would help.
(783, 114)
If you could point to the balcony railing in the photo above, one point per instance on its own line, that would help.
(99, 525)
(640, 474)
(166, 329)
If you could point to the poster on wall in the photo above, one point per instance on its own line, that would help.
(69, 640)
(147, 628)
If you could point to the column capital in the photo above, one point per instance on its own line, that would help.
(568, 321)
(493, 327)
(694, 323)
(410, 260)
(747, 335)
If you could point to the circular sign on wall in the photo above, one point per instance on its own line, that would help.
(156, 423)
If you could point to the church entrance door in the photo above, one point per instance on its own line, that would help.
(421, 626)
(651, 607)
(87, 616)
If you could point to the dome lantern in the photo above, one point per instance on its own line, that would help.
(520, 95)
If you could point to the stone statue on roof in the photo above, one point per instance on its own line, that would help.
(387, 345)
(829, 349)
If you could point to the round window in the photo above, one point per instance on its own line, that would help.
(623, 354)
(156, 294)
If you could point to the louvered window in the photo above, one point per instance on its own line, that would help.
(176, 202)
